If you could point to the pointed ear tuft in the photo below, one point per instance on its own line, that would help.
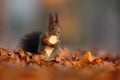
(56, 17)
(51, 19)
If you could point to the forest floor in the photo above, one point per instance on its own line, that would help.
(69, 65)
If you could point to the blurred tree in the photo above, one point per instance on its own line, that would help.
(103, 23)
(3, 21)
(25, 16)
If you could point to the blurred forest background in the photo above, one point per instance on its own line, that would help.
(85, 23)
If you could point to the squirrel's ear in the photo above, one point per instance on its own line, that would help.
(51, 19)
(56, 17)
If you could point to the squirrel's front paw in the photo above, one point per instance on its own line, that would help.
(47, 42)
(57, 44)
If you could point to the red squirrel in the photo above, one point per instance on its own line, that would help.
(47, 42)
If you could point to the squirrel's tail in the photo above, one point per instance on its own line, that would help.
(30, 42)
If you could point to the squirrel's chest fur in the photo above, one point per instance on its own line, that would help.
(53, 39)
(49, 50)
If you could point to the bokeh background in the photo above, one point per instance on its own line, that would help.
(86, 24)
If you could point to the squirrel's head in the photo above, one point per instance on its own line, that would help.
(54, 27)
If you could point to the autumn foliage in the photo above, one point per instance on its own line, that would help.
(69, 65)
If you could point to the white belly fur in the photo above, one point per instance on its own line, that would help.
(49, 51)
(53, 39)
